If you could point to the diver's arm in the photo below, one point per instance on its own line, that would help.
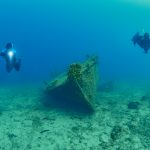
(135, 38)
(2, 53)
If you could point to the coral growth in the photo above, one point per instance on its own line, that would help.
(74, 73)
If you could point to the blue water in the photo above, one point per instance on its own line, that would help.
(51, 34)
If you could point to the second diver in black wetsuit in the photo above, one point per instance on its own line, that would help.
(9, 54)
(142, 40)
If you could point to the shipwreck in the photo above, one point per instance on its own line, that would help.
(77, 86)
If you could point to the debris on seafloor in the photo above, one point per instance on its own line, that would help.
(133, 105)
(145, 97)
(78, 85)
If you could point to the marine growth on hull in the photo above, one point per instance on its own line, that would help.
(77, 85)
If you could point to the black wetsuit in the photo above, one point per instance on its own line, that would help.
(142, 41)
(11, 61)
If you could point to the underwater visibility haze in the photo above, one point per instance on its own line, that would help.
(48, 36)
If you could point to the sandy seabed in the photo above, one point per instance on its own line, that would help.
(25, 124)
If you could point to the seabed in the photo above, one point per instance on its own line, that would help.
(25, 124)
(119, 120)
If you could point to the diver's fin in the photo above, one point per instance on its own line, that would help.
(18, 64)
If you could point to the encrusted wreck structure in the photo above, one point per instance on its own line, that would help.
(77, 85)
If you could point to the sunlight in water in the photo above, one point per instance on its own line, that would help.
(139, 2)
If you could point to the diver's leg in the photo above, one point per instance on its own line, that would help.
(8, 67)
(17, 64)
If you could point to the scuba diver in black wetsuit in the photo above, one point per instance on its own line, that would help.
(142, 40)
(9, 54)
